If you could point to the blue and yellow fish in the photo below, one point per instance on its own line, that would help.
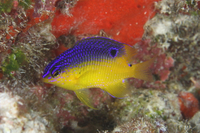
(96, 62)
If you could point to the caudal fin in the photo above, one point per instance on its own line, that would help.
(142, 71)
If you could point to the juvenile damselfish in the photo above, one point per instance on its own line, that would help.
(96, 62)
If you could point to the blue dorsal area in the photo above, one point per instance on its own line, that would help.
(89, 49)
(99, 48)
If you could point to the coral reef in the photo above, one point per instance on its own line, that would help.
(189, 105)
(32, 33)
(116, 18)
(16, 117)
(154, 106)
(178, 34)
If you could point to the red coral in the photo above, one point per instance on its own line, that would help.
(163, 65)
(12, 33)
(61, 48)
(34, 20)
(189, 105)
(123, 20)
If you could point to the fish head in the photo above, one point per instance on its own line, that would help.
(57, 72)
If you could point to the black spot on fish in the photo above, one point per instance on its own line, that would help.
(89, 49)
(113, 52)
(130, 65)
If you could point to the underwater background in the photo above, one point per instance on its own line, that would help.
(34, 32)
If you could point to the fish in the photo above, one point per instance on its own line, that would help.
(96, 62)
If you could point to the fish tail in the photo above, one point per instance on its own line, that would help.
(142, 71)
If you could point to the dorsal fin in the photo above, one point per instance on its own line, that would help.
(130, 53)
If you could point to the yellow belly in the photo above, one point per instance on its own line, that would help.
(95, 74)
(102, 74)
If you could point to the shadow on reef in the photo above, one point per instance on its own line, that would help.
(97, 120)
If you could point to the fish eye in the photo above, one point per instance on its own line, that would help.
(113, 52)
(55, 73)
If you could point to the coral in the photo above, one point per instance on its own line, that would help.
(140, 125)
(65, 5)
(35, 44)
(195, 121)
(116, 18)
(149, 110)
(54, 105)
(33, 33)
(151, 103)
(178, 35)
(50, 5)
(170, 6)
(175, 29)
(179, 126)
(189, 105)
(10, 26)
(38, 8)
(25, 3)
(196, 83)
(14, 61)
(11, 106)
(145, 125)
(6, 6)
(147, 49)
(160, 68)
(16, 117)
(42, 7)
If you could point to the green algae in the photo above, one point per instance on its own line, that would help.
(6, 6)
(13, 62)
(25, 3)
(191, 3)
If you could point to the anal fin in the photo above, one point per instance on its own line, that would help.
(120, 89)
(84, 96)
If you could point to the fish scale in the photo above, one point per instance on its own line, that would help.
(96, 62)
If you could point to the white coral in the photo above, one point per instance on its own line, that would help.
(14, 117)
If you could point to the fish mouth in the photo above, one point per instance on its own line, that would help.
(45, 80)
(49, 80)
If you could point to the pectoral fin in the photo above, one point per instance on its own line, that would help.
(84, 96)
